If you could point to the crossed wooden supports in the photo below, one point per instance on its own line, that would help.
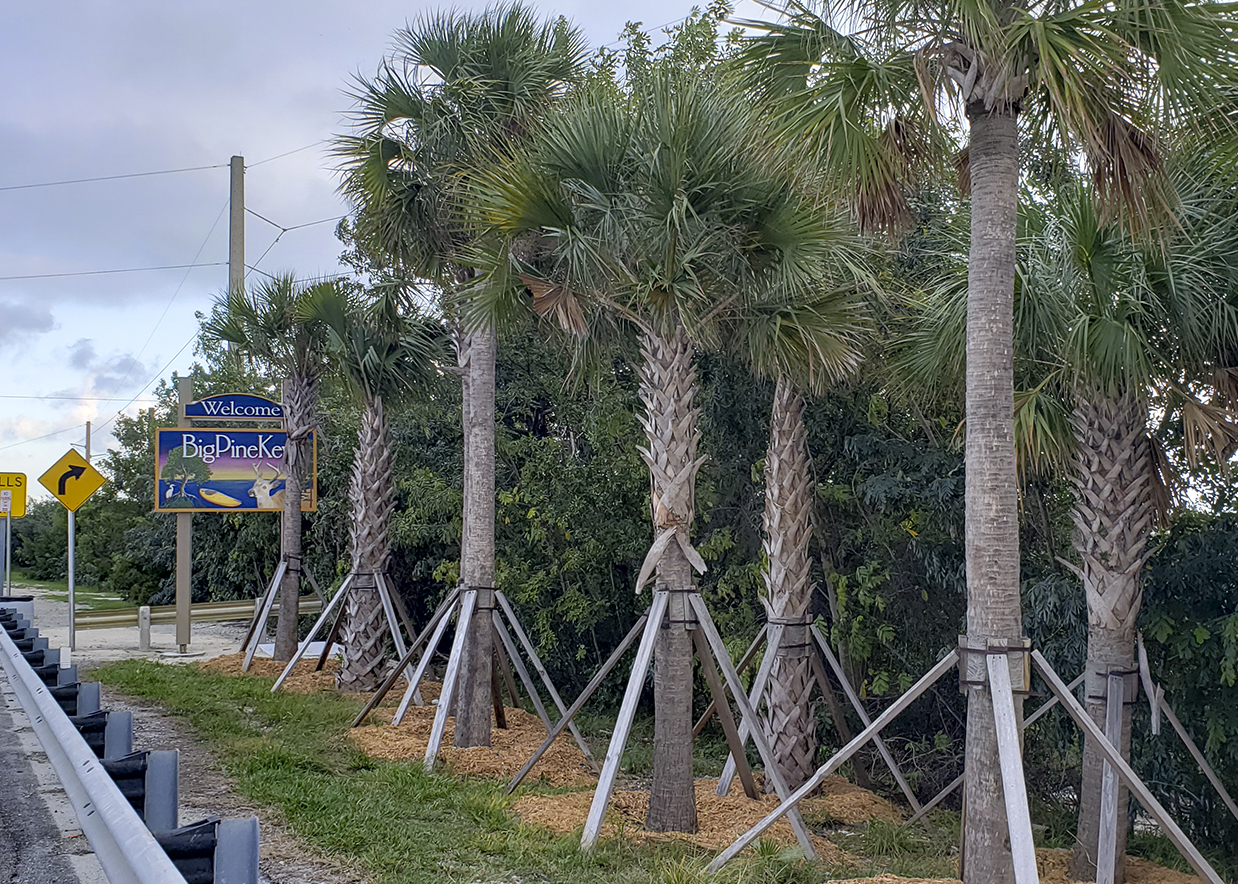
(463, 602)
(998, 664)
(266, 603)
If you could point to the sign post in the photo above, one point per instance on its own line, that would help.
(72, 480)
(184, 537)
(13, 506)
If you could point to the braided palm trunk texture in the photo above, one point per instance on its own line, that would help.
(668, 393)
(372, 496)
(474, 704)
(788, 717)
(1113, 515)
(300, 394)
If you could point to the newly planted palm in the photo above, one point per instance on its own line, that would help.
(381, 351)
(668, 211)
(460, 91)
(804, 344)
(868, 86)
(1112, 339)
(266, 326)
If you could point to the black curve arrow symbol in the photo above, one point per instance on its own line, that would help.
(73, 472)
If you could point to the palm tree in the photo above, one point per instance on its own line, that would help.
(381, 349)
(663, 210)
(461, 90)
(1112, 339)
(870, 85)
(804, 344)
(267, 328)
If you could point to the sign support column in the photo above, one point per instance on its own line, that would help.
(184, 537)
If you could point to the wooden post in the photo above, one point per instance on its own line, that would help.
(1010, 757)
(184, 537)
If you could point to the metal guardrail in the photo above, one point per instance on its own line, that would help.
(125, 848)
(205, 612)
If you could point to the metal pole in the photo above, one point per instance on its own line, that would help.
(8, 555)
(184, 537)
(72, 598)
(236, 226)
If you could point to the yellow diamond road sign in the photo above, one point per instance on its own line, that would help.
(72, 480)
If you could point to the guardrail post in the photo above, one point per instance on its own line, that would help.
(236, 852)
(162, 811)
(144, 628)
(118, 735)
(88, 697)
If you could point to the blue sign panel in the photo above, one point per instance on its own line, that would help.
(235, 407)
(221, 470)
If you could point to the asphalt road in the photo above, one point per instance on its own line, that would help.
(32, 846)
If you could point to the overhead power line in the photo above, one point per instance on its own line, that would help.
(282, 155)
(111, 177)
(104, 272)
(74, 398)
(44, 436)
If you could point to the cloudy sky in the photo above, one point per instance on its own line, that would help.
(98, 88)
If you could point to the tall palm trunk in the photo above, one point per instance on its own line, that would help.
(473, 700)
(1112, 514)
(372, 496)
(300, 392)
(992, 529)
(789, 719)
(668, 393)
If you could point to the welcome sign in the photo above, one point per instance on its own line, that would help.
(226, 470)
(235, 407)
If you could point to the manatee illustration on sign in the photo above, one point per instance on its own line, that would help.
(222, 470)
(235, 407)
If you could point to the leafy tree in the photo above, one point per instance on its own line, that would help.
(419, 140)
(862, 83)
(185, 469)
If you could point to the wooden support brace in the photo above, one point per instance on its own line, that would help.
(837, 760)
(594, 683)
(1154, 808)
(468, 602)
(725, 718)
(262, 612)
(1010, 758)
(411, 692)
(338, 599)
(496, 692)
(744, 662)
(1107, 837)
(1199, 757)
(505, 666)
(773, 634)
(505, 639)
(545, 676)
(623, 723)
(332, 634)
(443, 611)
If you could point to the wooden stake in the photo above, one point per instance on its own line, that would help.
(322, 618)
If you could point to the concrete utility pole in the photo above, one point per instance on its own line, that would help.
(236, 226)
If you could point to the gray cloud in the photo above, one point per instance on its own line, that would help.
(82, 354)
(21, 317)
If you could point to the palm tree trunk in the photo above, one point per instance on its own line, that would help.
(789, 719)
(473, 699)
(668, 392)
(1112, 515)
(992, 527)
(372, 496)
(300, 392)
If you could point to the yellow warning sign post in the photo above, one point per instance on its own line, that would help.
(12, 506)
(72, 480)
